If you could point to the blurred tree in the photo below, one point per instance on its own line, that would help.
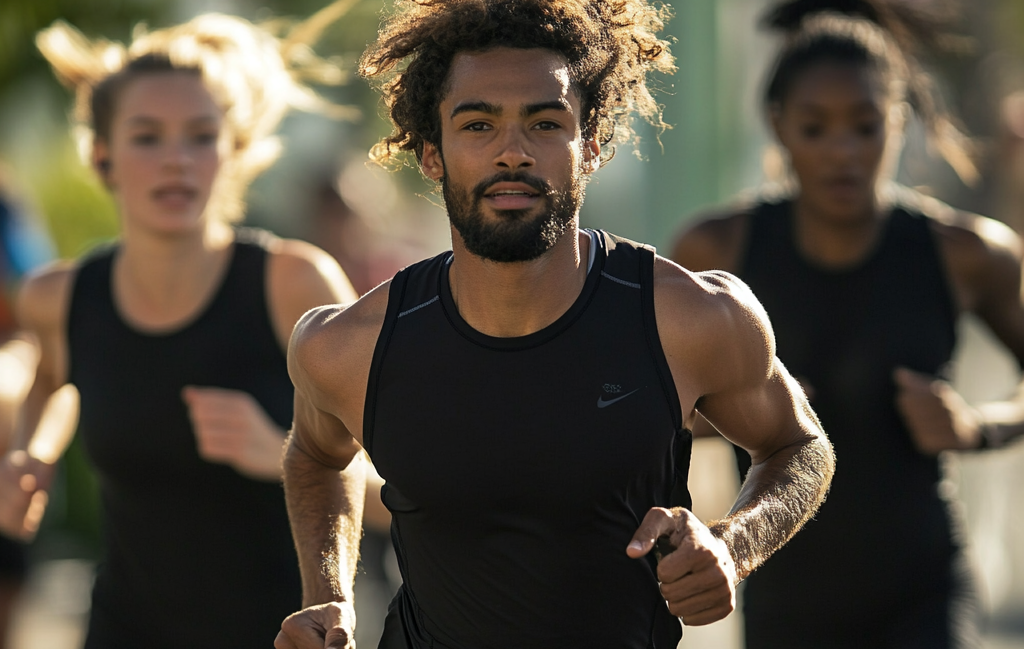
(21, 19)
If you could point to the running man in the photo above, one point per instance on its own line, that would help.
(527, 396)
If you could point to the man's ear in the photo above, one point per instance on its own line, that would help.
(431, 162)
(591, 156)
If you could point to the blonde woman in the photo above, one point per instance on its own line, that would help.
(175, 335)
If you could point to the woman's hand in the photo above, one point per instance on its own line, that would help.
(231, 428)
(23, 484)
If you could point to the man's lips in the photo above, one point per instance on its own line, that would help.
(511, 196)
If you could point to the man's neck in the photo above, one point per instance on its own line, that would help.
(508, 300)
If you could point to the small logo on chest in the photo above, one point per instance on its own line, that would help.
(613, 393)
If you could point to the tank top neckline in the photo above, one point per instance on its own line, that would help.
(201, 314)
(874, 253)
(536, 338)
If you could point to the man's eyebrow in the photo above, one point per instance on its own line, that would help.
(494, 109)
(555, 104)
(476, 107)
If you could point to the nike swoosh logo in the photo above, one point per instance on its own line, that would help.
(602, 403)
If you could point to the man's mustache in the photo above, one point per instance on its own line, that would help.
(536, 183)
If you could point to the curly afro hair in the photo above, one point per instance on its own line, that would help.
(610, 46)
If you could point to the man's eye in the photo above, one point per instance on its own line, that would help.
(547, 126)
(145, 139)
(476, 126)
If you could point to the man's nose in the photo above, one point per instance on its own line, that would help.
(514, 151)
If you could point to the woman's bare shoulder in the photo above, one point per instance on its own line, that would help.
(713, 240)
(45, 295)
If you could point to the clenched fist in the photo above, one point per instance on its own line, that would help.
(698, 577)
(324, 626)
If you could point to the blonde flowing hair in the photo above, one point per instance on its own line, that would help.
(256, 74)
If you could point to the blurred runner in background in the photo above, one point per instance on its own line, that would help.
(175, 334)
(23, 247)
(864, 282)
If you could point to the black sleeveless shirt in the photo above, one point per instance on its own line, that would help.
(518, 469)
(196, 554)
(885, 535)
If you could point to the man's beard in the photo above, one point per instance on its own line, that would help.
(515, 236)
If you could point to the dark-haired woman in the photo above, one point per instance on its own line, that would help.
(863, 282)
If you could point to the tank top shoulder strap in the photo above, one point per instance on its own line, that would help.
(411, 289)
(632, 264)
(249, 257)
(908, 222)
(91, 309)
(910, 236)
(92, 278)
(244, 287)
(769, 233)
(624, 260)
(420, 284)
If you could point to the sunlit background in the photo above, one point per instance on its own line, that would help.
(712, 153)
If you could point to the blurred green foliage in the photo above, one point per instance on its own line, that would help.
(34, 134)
(21, 19)
(80, 211)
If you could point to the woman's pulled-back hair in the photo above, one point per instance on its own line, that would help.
(254, 75)
(875, 34)
(609, 45)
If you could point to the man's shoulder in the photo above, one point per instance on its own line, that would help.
(337, 340)
(699, 293)
(710, 319)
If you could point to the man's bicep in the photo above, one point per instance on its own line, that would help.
(317, 428)
(761, 417)
(321, 435)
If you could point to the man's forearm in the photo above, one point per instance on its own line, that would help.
(778, 496)
(325, 507)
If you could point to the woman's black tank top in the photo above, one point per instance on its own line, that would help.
(196, 554)
(885, 533)
(518, 469)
